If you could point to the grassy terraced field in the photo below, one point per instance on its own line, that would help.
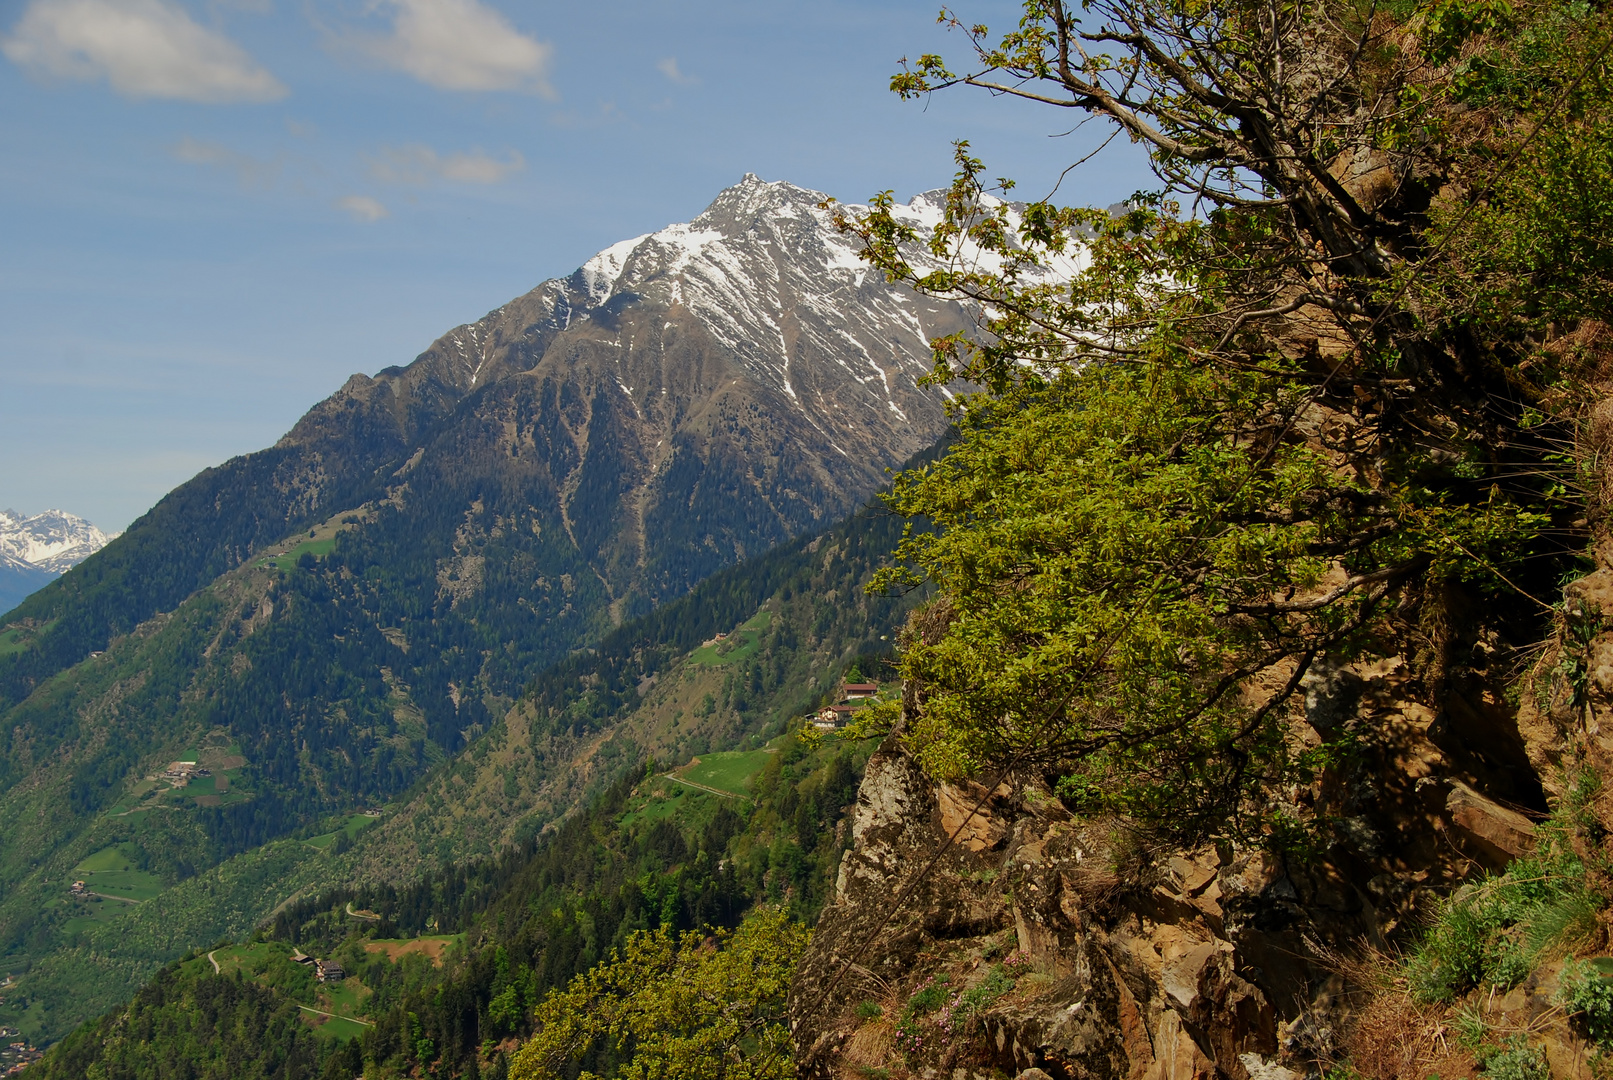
(92, 913)
(664, 799)
(17, 639)
(729, 770)
(743, 642)
(113, 872)
(246, 958)
(347, 998)
(333, 1027)
(352, 827)
(317, 548)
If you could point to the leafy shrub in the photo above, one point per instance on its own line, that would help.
(677, 1005)
(1497, 930)
(1513, 1060)
(1587, 994)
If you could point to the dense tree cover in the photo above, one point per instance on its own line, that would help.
(540, 915)
(681, 1005)
(611, 674)
(819, 616)
(1311, 394)
(201, 529)
(198, 1028)
(533, 919)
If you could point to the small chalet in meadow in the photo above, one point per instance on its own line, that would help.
(858, 691)
(329, 971)
(833, 717)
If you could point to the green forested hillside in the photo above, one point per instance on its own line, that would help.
(223, 858)
(443, 974)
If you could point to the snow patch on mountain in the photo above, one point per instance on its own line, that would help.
(768, 275)
(54, 541)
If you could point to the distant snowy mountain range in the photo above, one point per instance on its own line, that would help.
(35, 550)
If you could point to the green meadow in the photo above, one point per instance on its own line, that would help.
(729, 770)
(742, 643)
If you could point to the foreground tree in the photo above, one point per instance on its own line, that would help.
(1316, 390)
(675, 1005)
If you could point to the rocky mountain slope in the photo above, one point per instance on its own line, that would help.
(577, 456)
(327, 620)
(680, 401)
(34, 550)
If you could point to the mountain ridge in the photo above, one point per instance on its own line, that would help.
(36, 549)
(340, 613)
(699, 445)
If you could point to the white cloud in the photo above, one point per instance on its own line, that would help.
(417, 164)
(362, 207)
(460, 45)
(248, 169)
(669, 68)
(144, 48)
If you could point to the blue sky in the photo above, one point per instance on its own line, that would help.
(214, 212)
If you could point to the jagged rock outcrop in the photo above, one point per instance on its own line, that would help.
(1152, 992)
(1142, 963)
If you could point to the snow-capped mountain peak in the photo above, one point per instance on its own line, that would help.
(53, 541)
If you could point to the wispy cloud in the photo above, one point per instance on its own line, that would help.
(669, 68)
(362, 207)
(416, 164)
(249, 170)
(458, 45)
(143, 48)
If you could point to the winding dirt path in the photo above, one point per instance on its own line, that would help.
(335, 1016)
(708, 790)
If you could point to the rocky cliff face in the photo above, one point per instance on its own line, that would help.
(987, 934)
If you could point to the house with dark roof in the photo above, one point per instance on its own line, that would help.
(858, 691)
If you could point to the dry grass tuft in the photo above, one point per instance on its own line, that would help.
(871, 1045)
(1395, 1038)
